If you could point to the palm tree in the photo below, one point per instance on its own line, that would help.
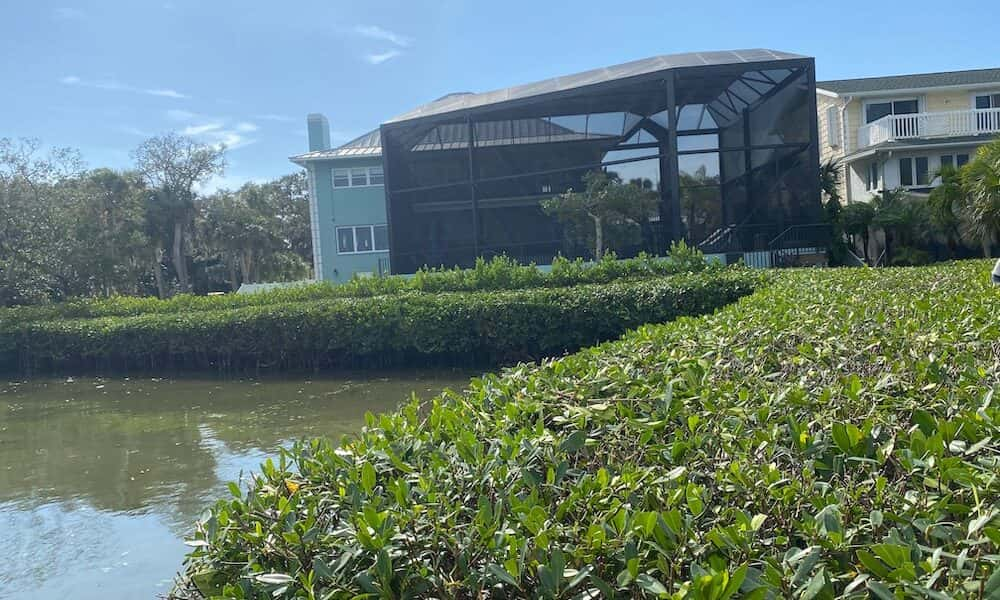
(856, 219)
(943, 204)
(981, 207)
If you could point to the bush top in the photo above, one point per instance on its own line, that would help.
(829, 436)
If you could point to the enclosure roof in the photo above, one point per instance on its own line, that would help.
(369, 144)
(866, 85)
(458, 102)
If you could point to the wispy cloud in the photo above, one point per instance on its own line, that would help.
(194, 130)
(245, 127)
(377, 33)
(377, 59)
(274, 117)
(68, 13)
(112, 85)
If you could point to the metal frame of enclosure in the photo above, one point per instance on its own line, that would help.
(727, 141)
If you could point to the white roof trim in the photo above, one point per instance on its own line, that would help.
(918, 90)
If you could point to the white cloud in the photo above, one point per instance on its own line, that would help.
(274, 117)
(377, 33)
(246, 127)
(227, 181)
(194, 130)
(116, 86)
(377, 59)
(69, 13)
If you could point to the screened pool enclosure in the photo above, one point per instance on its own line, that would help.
(725, 142)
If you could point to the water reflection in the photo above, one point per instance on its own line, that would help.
(101, 479)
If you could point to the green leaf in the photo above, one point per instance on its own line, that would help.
(880, 590)
(649, 584)
(991, 590)
(574, 442)
(500, 573)
(368, 477)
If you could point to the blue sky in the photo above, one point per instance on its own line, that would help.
(102, 75)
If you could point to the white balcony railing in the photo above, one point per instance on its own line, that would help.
(950, 123)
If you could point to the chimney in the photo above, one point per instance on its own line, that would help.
(319, 132)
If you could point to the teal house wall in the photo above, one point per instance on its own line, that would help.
(347, 212)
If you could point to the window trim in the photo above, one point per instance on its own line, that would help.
(890, 101)
(914, 176)
(350, 178)
(354, 238)
(978, 93)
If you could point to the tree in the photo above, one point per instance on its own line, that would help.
(856, 219)
(34, 220)
(981, 206)
(943, 204)
(607, 205)
(902, 218)
(174, 165)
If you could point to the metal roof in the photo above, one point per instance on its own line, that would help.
(911, 82)
(369, 144)
(458, 102)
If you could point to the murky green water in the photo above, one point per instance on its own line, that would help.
(101, 480)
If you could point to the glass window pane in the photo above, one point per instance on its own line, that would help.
(982, 102)
(906, 171)
(375, 176)
(381, 237)
(699, 169)
(922, 173)
(345, 240)
(962, 159)
(363, 238)
(904, 107)
(359, 176)
(708, 141)
(947, 161)
(874, 112)
(340, 178)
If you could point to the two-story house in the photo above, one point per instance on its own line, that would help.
(898, 131)
(346, 203)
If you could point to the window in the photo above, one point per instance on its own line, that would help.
(914, 171)
(947, 160)
(872, 182)
(988, 101)
(345, 240)
(961, 160)
(360, 239)
(381, 237)
(359, 177)
(363, 239)
(923, 177)
(877, 110)
(341, 178)
(906, 171)
(988, 120)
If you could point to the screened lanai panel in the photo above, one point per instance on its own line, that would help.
(730, 163)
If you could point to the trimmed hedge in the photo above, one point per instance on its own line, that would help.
(834, 435)
(448, 328)
(499, 273)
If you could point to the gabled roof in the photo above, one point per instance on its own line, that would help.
(459, 102)
(867, 85)
(369, 144)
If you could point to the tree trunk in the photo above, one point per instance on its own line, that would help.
(161, 290)
(180, 264)
(233, 284)
(598, 237)
(864, 240)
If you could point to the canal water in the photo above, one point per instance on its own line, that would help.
(102, 480)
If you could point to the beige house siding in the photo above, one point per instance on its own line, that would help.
(948, 100)
(826, 151)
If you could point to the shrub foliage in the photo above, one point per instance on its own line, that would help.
(499, 273)
(458, 328)
(833, 435)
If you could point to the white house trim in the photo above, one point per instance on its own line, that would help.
(314, 222)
